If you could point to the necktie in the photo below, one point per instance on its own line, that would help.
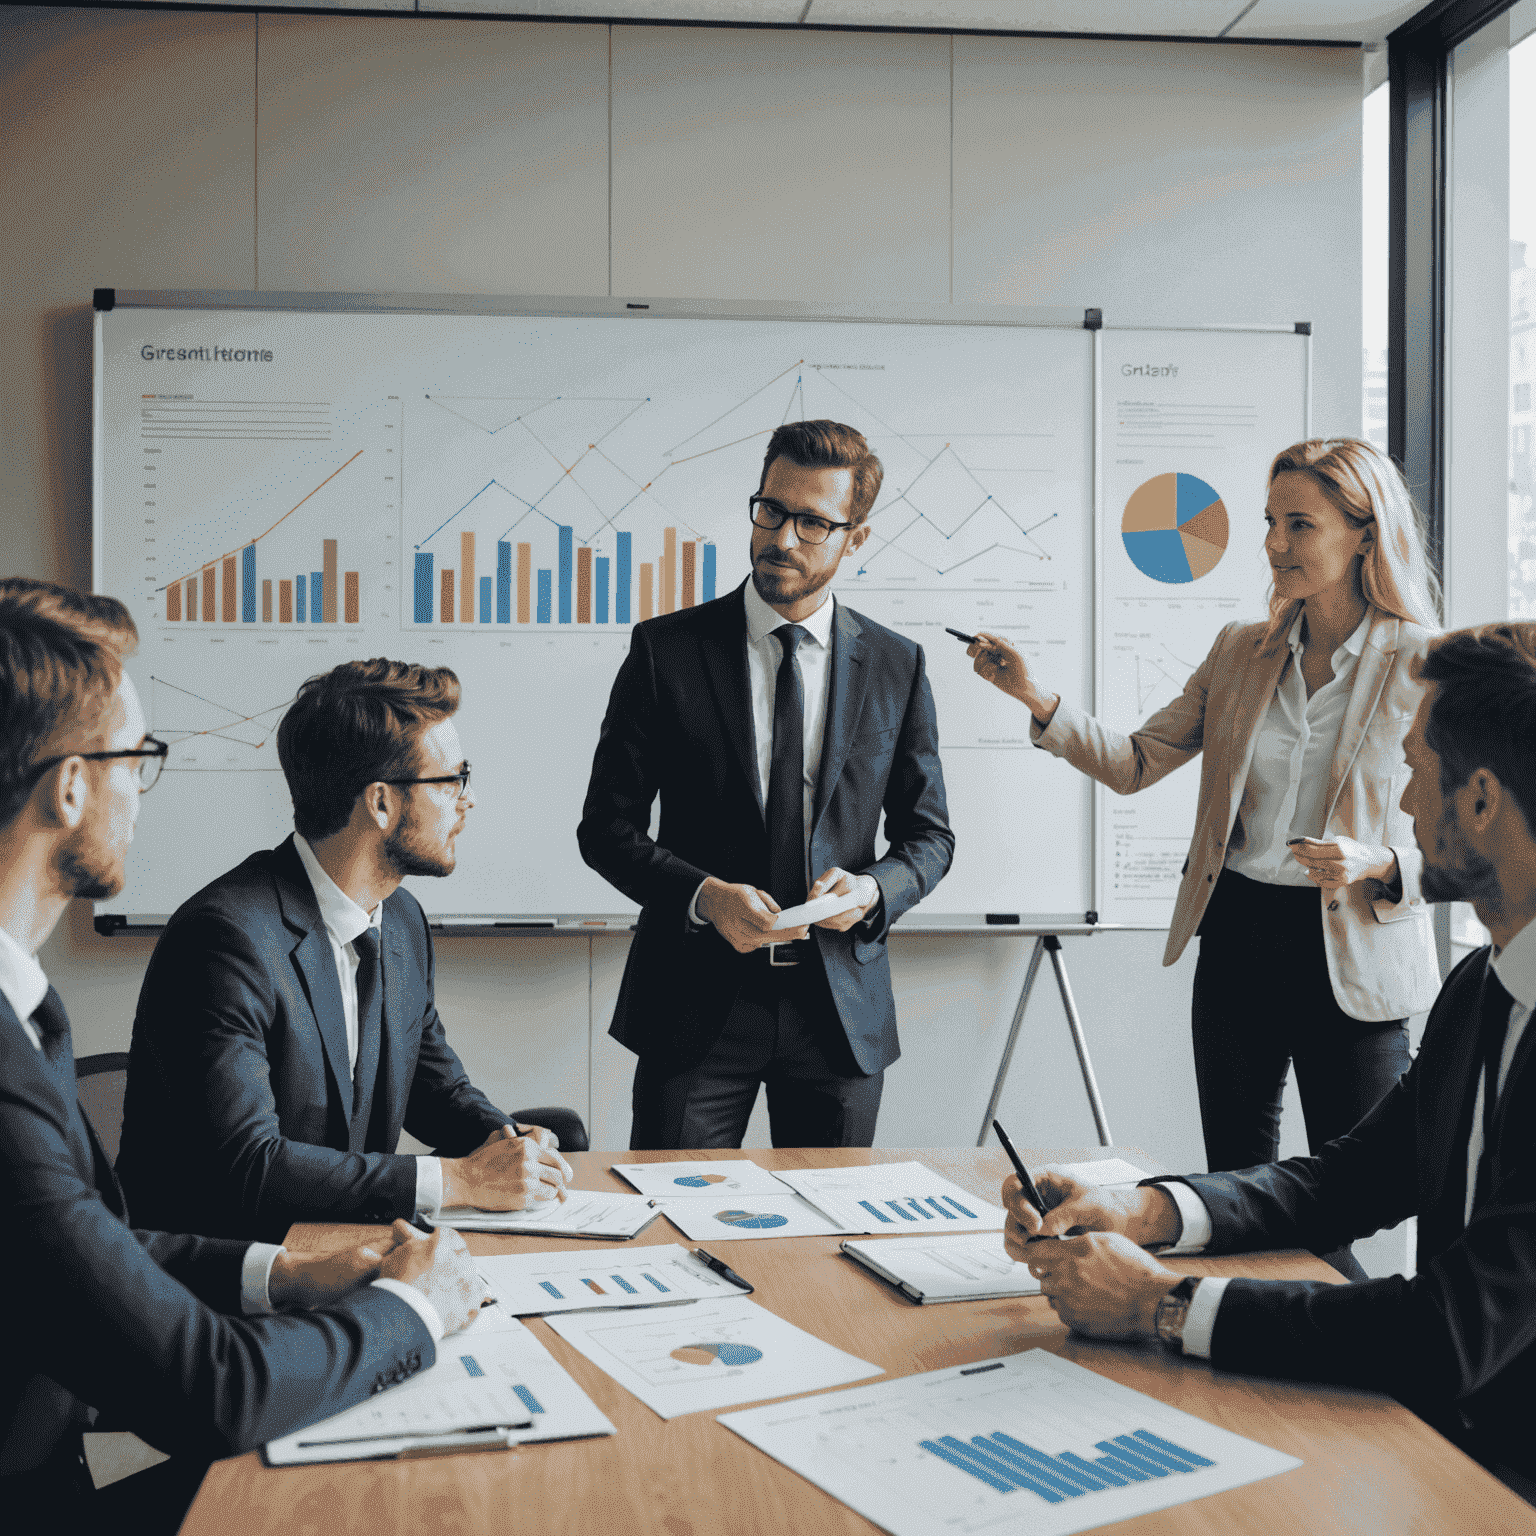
(786, 777)
(1493, 1030)
(370, 1020)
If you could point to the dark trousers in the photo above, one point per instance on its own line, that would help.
(782, 1032)
(1263, 1000)
(59, 1498)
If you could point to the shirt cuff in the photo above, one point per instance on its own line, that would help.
(693, 908)
(256, 1279)
(431, 1318)
(429, 1187)
(1196, 1232)
(1200, 1320)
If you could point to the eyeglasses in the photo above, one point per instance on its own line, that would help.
(151, 754)
(461, 778)
(809, 529)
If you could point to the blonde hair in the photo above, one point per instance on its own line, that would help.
(1366, 487)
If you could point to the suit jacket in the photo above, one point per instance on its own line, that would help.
(679, 724)
(1381, 954)
(142, 1325)
(1458, 1341)
(239, 1090)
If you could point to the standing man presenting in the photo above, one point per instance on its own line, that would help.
(776, 725)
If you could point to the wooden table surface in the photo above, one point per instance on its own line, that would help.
(1370, 1467)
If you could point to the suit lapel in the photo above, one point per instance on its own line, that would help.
(1364, 695)
(1458, 1079)
(724, 649)
(396, 1060)
(313, 959)
(845, 702)
(1260, 678)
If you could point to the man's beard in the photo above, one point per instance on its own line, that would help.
(784, 584)
(87, 868)
(406, 854)
(1466, 876)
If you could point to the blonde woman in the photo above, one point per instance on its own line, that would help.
(1302, 879)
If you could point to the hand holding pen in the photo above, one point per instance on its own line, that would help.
(1003, 665)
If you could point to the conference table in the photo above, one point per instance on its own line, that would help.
(1369, 1466)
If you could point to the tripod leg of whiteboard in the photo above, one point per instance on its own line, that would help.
(1013, 1040)
(1090, 1082)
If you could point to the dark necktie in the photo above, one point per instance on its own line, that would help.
(370, 1020)
(50, 1021)
(1493, 1031)
(786, 777)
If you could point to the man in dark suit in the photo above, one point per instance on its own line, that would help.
(167, 1335)
(777, 725)
(286, 1029)
(1454, 1142)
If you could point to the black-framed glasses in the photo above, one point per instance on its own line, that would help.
(461, 778)
(809, 528)
(151, 754)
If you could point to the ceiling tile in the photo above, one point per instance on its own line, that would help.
(1356, 21)
(1186, 18)
(639, 10)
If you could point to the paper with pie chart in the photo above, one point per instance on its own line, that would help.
(782, 1215)
(701, 1179)
(712, 1354)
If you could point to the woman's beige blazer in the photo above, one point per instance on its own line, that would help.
(1381, 954)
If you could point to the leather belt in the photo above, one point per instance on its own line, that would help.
(785, 956)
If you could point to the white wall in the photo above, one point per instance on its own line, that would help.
(1157, 181)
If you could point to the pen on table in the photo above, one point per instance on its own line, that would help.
(477, 1437)
(1030, 1192)
(721, 1268)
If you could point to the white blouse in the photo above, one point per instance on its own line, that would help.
(1292, 757)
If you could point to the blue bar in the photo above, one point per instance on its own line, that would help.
(1171, 1448)
(926, 1215)
(947, 1215)
(960, 1208)
(317, 597)
(657, 1283)
(503, 582)
(541, 613)
(298, 598)
(472, 1367)
(621, 582)
(558, 1295)
(875, 1210)
(1049, 1466)
(709, 572)
(423, 587)
(567, 561)
(905, 1215)
(1094, 1469)
(485, 599)
(530, 1402)
(1141, 1463)
(1048, 1473)
(965, 1466)
(1124, 1468)
(248, 584)
(600, 602)
(1156, 1457)
(623, 1284)
(996, 1467)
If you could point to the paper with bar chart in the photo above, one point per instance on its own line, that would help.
(1029, 1445)
(585, 1280)
(494, 1372)
(894, 1197)
(709, 1355)
(1190, 422)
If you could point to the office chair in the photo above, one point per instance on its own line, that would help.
(101, 1082)
(565, 1123)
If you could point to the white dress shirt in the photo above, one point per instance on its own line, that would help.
(1515, 966)
(1292, 758)
(344, 922)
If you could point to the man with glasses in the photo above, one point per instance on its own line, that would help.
(168, 1335)
(777, 726)
(286, 1031)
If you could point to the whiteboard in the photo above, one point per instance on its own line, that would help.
(281, 485)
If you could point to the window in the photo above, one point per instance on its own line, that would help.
(1373, 266)
(1522, 324)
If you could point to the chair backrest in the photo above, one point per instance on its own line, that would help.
(101, 1082)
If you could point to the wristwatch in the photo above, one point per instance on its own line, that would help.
(1173, 1313)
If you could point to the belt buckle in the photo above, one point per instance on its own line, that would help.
(778, 964)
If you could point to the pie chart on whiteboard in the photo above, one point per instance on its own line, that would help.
(1175, 528)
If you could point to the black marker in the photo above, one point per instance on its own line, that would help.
(1030, 1192)
(722, 1269)
(961, 635)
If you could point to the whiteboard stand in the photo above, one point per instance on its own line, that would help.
(1049, 943)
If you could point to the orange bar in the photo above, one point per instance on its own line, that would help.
(584, 585)
(328, 563)
(467, 588)
(524, 583)
(210, 596)
(690, 555)
(266, 601)
(285, 602)
(352, 602)
(446, 608)
(668, 570)
(173, 603)
(645, 589)
(229, 589)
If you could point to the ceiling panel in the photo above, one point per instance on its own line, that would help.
(1161, 18)
(779, 11)
(1358, 21)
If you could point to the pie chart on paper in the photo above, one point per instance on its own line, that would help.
(752, 1218)
(1175, 528)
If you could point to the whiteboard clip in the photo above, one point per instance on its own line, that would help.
(1093, 319)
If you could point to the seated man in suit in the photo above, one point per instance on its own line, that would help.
(286, 1029)
(171, 1336)
(777, 726)
(1454, 1142)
